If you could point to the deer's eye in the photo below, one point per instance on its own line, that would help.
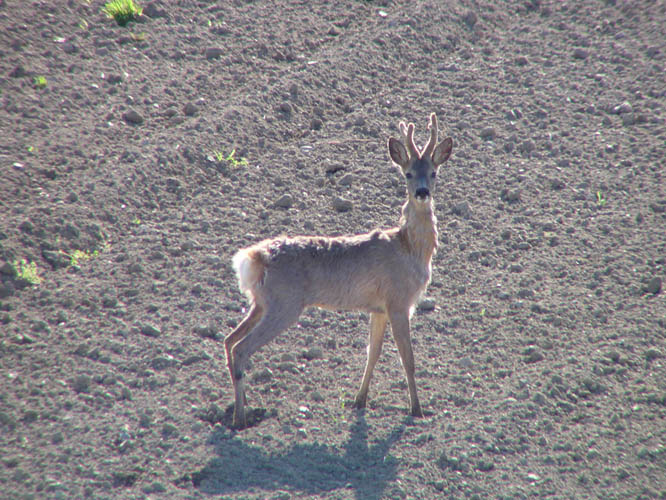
(409, 175)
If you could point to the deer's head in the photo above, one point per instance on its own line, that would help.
(419, 168)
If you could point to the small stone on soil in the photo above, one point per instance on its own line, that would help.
(285, 108)
(190, 109)
(488, 133)
(652, 354)
(653, 286)
(8, 270)
(485, 465)
(510, 195)
(470, 18)
(284, 201)
(262, 376)
(206, 331)
(56, 259)
(346, 180)
(133, 117)
(150, 330)
(426, 304)
(580, 53)
(521, 61)
(81, 383)
(313, 353)
(532, 355)
(213, 52)
(288, 367)
(342, 204)
(18, 72)
(625, 107)
(462, 209)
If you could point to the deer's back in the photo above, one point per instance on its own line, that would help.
(366, 272)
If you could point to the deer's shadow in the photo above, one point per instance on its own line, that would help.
(309, 468)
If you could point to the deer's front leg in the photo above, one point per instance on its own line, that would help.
(376, 339)
(400, 329)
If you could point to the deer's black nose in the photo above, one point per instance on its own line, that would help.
(422, 193)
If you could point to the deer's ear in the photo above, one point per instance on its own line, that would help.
(398, 152)
(442, 151)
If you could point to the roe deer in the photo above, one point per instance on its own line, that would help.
(381, 272)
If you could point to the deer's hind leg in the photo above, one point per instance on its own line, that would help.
(239, 333)
(376, 339)
(276, 318)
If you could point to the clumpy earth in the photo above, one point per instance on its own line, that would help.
(135, 160)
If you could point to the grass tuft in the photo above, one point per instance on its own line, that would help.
(27, 271)
(123, 11)
(79, 256)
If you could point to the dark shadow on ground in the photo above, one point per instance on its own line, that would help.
(310, 468)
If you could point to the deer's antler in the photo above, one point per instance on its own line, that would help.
(433, 136)
(408, 132)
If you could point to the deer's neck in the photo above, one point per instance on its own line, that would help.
(418, 225)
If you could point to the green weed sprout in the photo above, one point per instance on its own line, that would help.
(123, 11)
(40, 82)
(78, 256)
(601, 201)
(219, 156)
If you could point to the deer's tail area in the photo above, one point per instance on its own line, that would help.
(250, 268)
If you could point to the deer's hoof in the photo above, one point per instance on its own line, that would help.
(239, 422)
(359, 402)
(417, 412)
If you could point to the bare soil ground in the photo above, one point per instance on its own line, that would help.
(540, 347)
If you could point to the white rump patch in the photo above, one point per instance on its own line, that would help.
(250, 272)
